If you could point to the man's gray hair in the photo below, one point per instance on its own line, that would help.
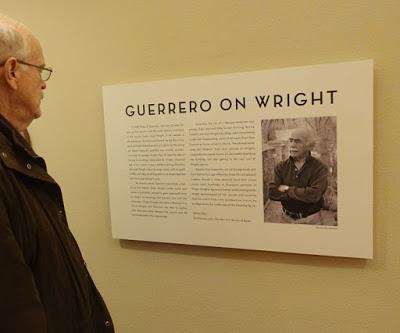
(12, 40)
(309, 135)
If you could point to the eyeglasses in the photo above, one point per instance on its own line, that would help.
(45, 72)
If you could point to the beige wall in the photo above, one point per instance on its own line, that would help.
(171, 288)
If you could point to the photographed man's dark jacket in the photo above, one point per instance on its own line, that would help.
(44, 284)
(306, 186)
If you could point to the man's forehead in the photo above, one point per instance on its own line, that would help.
(36, 52)
(303, 134)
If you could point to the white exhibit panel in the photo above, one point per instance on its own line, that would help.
(190, 161)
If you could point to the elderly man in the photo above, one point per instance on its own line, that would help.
(300, 181)
(44, 283)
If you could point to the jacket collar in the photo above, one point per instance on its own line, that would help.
(18, 155)
(14, 137)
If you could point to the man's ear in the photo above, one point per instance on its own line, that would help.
(11, 72)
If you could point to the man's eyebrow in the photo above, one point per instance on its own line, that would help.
(293, 139)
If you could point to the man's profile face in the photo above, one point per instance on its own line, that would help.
(299, 144)
(31, 84)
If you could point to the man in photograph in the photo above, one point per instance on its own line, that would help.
(300, 181)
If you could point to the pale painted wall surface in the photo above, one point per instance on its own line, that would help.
(171, 288)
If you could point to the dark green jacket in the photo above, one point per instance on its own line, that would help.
(44, 284)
